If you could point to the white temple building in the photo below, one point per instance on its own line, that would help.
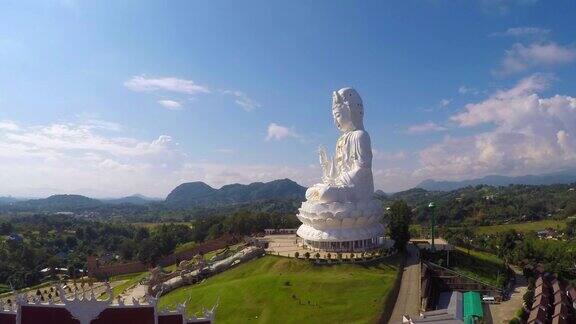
(341, 213)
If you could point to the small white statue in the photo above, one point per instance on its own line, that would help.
(348, 176)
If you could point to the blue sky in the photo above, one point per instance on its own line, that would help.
(121, 97)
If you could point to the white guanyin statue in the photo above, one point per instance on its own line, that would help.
(340, 213)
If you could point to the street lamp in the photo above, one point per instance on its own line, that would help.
(432, 206)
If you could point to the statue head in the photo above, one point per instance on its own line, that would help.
(347, 110)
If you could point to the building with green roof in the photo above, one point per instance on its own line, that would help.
(472, 307)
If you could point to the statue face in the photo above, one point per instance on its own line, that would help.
(342, 118)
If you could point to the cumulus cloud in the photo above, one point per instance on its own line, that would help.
(493, 109)
(523, 31)
(529, 134)
(142, 83)
(170, 104)
(521, 57)
(279, 132)
(8, 125)
(66, 157)
(83, 158)
(425, 128)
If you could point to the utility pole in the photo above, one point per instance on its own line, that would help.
(431, 206)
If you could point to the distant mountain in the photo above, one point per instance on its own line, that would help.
(60, 203)
(200, 194)
(8, 200)
(134, 200)
(562, 177)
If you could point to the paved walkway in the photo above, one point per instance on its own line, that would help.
(137, 292)
(408, 301)
(287, 245)
(505, 311)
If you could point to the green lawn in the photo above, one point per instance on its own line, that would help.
(282, 290)
(4, 288)
(522, 227)
(184, 247)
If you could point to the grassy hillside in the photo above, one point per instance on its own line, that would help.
(281, 290)
(483, 266)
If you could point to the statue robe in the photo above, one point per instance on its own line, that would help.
(353, 160)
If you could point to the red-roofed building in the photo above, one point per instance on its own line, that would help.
(572, 293)
(7, 318)
(561, 297)
(88, 310)
(538, 315)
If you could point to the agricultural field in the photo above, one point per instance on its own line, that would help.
(284, 290)
(522, 227)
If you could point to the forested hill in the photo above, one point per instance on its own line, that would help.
(195, 194)
(483, 205)
(60, 203)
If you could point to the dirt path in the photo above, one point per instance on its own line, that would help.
(408, 301)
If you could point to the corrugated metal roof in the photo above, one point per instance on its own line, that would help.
(473, 304)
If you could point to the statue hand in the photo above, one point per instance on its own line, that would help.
(323, 156)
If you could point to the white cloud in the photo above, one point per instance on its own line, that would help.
(170, 104)
(521, 57)
(70, 157)
(493, 108)
(502, 7)
(279, 132)
(226, 150)
(389, 156)
(425, 128)
(8, 125)
(523, 31)
(530, 134)
(242, 100)
(445, 102)
(467, 90)
(39, 160)
(141, 83)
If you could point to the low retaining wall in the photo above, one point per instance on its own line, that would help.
(96, 270)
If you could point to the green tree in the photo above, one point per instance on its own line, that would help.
(571, 228)
(399, 224)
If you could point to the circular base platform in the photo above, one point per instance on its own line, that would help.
(343, 240)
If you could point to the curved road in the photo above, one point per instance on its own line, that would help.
(408, 301)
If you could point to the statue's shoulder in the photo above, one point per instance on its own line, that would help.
(360, 134)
